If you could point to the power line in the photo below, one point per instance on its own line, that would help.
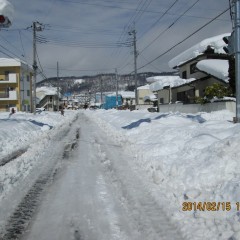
(20, 36)
(10, 52)
(159, 19)
(170, 26)
(164, 53)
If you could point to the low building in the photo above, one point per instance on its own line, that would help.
(47, 98)
(15, 85)
(209, 54)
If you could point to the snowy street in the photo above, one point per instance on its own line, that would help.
(118, 175)
(93, 195)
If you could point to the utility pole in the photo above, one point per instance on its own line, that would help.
(101, 89)
(133, 32)
(36, 28)
(57, 87)
(116, 75)
(237, 57)
(34, 67)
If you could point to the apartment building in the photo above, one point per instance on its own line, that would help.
(15, 85)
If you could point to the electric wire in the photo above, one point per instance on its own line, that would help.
(186, 38)
(160, 18)
(170, 26)
(20, 36)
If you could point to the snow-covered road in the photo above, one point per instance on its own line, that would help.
(93, 195)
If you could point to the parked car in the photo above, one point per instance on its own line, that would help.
(39, 110)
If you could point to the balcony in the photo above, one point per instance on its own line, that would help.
(11, 95)
(10, 78)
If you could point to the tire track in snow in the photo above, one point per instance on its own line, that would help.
(21, 217)
(146, 216)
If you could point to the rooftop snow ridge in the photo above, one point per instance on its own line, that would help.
(216, 43)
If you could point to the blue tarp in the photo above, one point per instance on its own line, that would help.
(110, 102)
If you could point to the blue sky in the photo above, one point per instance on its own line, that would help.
(84, 35)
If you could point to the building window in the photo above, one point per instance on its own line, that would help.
(162, 100)
(184, 74)
(28, 78)
(193, 68)
(6, 75)
(28, 93)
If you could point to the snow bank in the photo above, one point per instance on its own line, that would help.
(215, 67)
(185, 158)
(21, 129)
(215, 43)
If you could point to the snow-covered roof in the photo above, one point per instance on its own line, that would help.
(6, 9)
(79, 81)
(124, 94)
(145, 87)
(46, 91)
(127, 94)
(215, 67)
(13, 62)
(216, 43)
(159, 82)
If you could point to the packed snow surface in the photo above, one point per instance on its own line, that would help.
(216, 43)
(215, 67)
(181, 158)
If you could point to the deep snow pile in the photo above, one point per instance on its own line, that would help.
(21, 129)
(185, 158)
(28, 135)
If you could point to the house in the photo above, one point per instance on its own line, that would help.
(189, 64)
(145, 95)
(201, 66)
(128, 97)
(164, 87)
(15, 85)
(47, 98)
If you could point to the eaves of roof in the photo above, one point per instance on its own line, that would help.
(207, 55)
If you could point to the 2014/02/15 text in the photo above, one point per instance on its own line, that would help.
(209, 206)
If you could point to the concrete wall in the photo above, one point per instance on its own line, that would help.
(195, 108)
(142, 93)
